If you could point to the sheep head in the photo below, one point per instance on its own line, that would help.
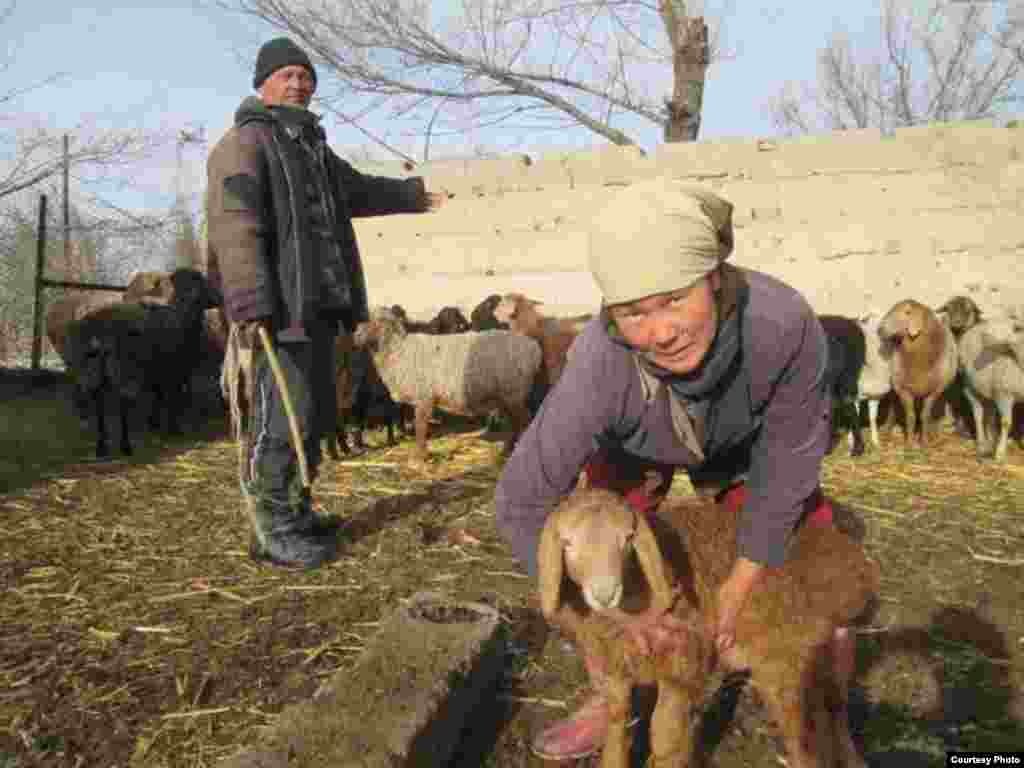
(191, 288)
(590, 537)
(907, 319)
(960, 314)
(513, 306)
(377, 332)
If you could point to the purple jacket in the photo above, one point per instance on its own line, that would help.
(770, 425)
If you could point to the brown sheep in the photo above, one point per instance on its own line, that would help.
(554, 334)
(685, 551)
(922, 356)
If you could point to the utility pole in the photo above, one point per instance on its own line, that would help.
(187, 250)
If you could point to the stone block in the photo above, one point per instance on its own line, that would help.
(405, 702)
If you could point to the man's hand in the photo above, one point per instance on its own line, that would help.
(732, 597)
(435, 200)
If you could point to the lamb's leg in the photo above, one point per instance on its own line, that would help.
(843, 663)
(671, 730)
(790, 708)
(615, 753)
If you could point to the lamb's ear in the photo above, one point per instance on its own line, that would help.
(652, 564)
(550, 568)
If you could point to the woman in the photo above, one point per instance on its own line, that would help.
(691, 363)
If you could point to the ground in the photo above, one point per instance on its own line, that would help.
(135, 630)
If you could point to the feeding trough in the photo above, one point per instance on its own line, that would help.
(406, 700)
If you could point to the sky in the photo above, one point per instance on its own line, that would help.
(175, 64)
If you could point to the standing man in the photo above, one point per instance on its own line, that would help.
(284, 253)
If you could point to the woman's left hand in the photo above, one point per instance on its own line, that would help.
(732, 597)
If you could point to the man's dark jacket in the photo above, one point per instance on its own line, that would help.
(262, 251)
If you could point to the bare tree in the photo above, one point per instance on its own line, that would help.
(954, 62)
(528, 65)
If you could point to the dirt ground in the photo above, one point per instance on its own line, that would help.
(135, 630)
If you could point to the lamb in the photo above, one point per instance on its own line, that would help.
(922, 355)
(992, 361)
(684, 553)
(482, 317)
(464, 373)
(857, 372)
(555, 335)
(143, 346)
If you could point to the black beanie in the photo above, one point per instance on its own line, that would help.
(277, 53)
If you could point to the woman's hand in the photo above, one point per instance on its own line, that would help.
(732, 597)
(653, 631)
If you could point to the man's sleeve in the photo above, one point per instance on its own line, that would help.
(240, 226)
(378, 195)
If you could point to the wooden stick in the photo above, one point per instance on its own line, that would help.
(289, 409)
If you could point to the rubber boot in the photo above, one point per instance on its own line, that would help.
(287, 534)
(582, 733)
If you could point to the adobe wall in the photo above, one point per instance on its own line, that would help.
(854, 220)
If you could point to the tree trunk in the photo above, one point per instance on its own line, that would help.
(689, 40)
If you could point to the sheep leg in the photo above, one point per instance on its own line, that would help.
(981, 436)
(671, 731)
(1004, 405)
(910, 417)
(126, 445)
(424, 408)
(928, 425)
(519, 419)
(615, 753)
(102, 448)
(873, 422)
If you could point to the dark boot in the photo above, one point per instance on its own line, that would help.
(287, 534)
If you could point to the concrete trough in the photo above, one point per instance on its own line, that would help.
(406, 701)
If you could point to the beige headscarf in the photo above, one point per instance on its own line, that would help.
(658, 235)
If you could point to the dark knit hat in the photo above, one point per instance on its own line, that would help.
(277, 53)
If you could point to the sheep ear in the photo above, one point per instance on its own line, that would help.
(652, 564)
(550, 568)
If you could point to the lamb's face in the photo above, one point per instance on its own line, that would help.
(596, 550)
(907, 320)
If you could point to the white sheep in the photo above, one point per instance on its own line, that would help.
(468, 374)
(685, 553)
(992, 360)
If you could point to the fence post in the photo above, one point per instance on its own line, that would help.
(37, 319)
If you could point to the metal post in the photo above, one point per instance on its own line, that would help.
(37, 319)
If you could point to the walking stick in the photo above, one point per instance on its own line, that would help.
(293, 422)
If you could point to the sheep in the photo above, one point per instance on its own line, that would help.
(959, 313)
(482, 317)
(922, 355)
(358, 389)
(149, 286)
(856, 371)
(992, 362)
(555, 335)
(447, 320)
(467, 374)
(59, 317)
(684, 553)
(145, 346)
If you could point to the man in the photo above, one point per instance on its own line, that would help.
(283, 251)
(691, 363)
